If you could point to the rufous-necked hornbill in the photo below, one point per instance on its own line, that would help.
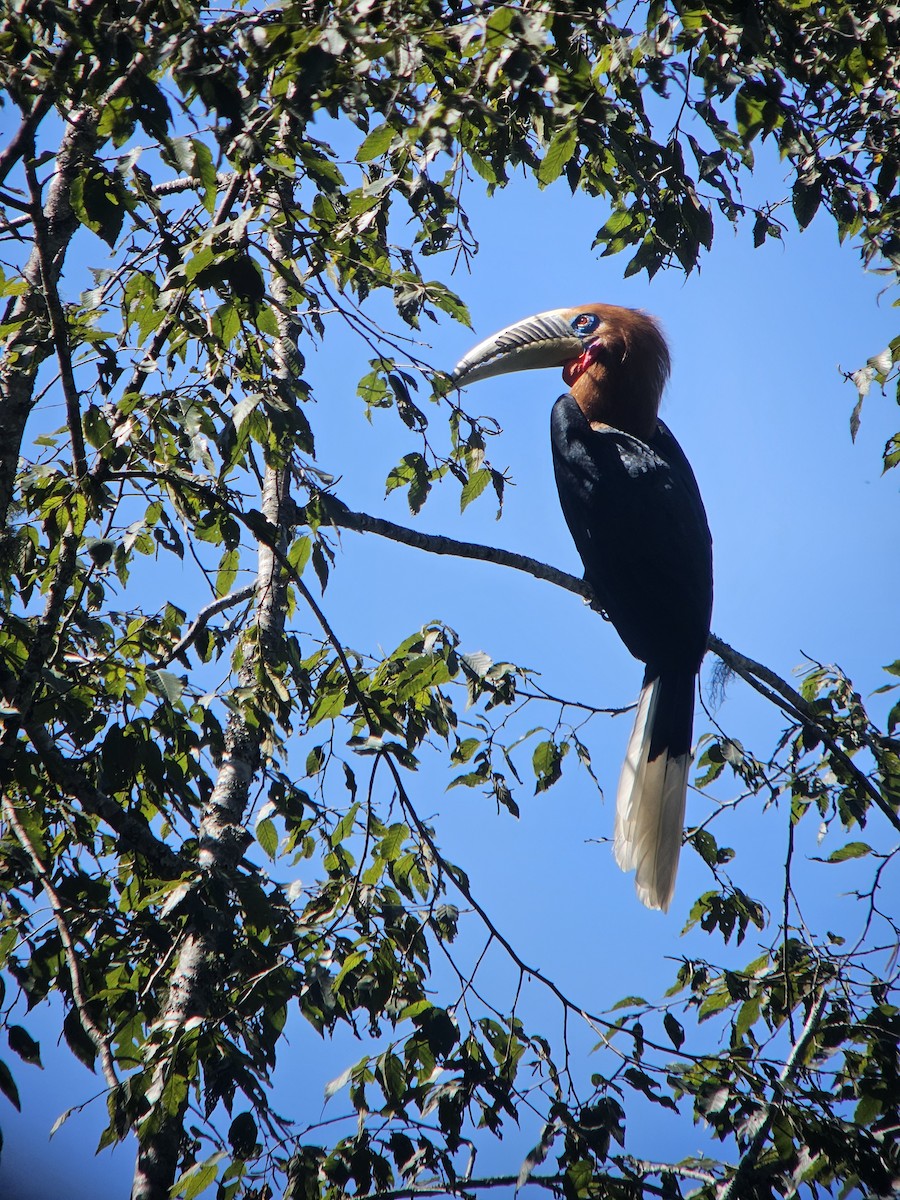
(632, 505)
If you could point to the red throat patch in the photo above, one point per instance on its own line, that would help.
(577, 367)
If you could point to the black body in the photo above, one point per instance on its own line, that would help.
(637, 520)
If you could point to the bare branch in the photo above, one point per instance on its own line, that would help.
(204, 616)
(438, 544)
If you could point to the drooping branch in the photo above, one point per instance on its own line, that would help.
(22, 141)
(468, 1186)
(780, 693)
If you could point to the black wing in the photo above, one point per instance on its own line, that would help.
(635, 514)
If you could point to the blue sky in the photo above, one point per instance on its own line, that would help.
(806, 562)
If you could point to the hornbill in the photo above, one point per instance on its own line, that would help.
(633, 508)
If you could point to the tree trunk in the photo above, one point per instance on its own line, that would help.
(223, 836)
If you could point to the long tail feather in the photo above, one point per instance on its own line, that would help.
(653, 786)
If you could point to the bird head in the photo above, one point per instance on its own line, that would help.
(614, 360)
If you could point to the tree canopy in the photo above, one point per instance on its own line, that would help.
(194, 201)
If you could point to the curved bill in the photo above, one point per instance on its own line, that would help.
(545, 340)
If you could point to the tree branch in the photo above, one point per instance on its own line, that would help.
(751, 1155)
(58, 327)
(202, 619)
(555, 1183)
(136, 835)
(79, 996)
(23, 139)
(439, 544)
(777, 690)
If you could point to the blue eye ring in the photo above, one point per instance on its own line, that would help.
(585, 323)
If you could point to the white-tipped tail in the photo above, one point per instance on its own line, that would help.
(653, 787)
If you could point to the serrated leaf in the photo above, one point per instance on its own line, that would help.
(561, 148)
(851, 850)
(473, 487)
(327, 706)
(629, 1002)
(165, 684)
(267, 836)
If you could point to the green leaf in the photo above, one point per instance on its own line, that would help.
(99, 201)
(547, 763)
(166, 685)
(561, 148)
(298, 555)
(473, 487)
(228, 569)
(205, 170)
(344, 827)
(483, 167)
(851, 850)
(267, 836)
(891, 453)
(198, 1177)
(328, 705)
(629, 1002)
(375, 144)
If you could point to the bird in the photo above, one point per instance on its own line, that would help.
(634, 510)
